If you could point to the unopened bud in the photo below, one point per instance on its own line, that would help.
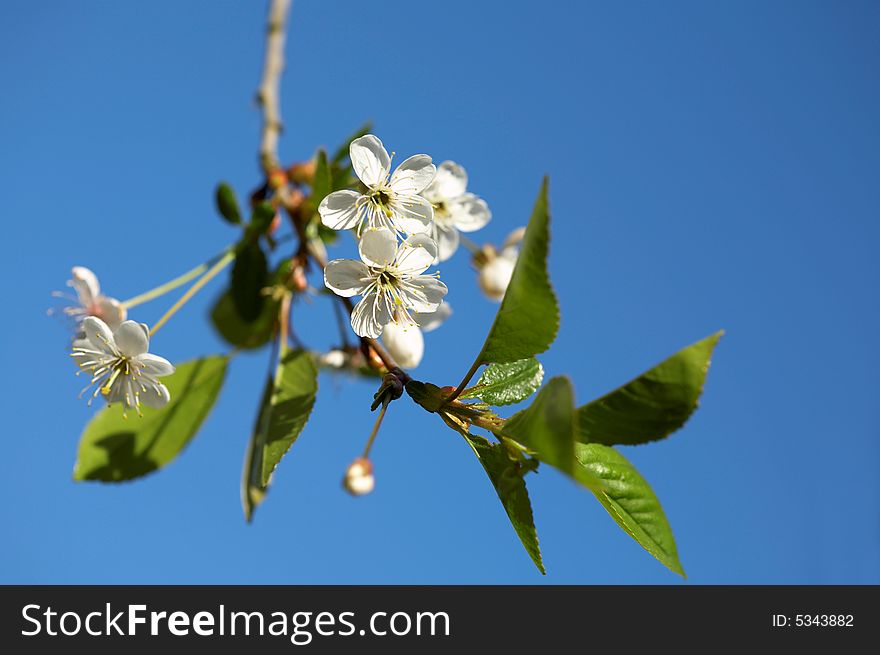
(298, 281)
(302, 172)
(495, 275)
(277, 179)
(405, 344)
(359, 478)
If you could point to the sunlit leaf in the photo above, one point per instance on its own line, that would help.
(507, 384)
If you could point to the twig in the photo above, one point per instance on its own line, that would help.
(268, 95)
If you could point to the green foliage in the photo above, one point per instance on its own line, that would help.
(235, 330)
(285, 409)
(227, 204)
(322, 185)
(249, 275)
(507, 384)
(114, 448)
(630, 501)
(547, 429)
(427, 395)
(261, 221)
(528, 319)
(652, 406)
(506, 474)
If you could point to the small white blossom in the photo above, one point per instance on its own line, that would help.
(455, 210)
(359, 478)
(390, 281)
(496, 268)
(391, 201)
(89, 301)
(406, 343)
(121, 368)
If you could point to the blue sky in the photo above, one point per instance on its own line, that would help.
(712, 165)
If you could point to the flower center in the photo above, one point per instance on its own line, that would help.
(441, 209)
(381, 200)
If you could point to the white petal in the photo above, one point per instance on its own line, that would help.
(495, 276)
(450, 183)
(110, 311)
(156, 366)
(514, 238)
(339, 210)
(370, 160)
(416, 254)
(85, 283)
(447, 241)
(346, 277)
(99, 335)
(378, 247)
(413, 175)
(412, 214)
(370, 315)
(469, 213)
(406, 344)
(433, 320)
(156, 396)
(423, 293)
(132, 339)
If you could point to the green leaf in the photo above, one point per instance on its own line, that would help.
(506, 475)
(249, 275)
(227, 204)
(239, 333)
(261, 221)
(506, 384)
(654, 405)
(547, 429)
(631, 503)
(253, 491)
(322, 185)
(293, 396)
(528, 319)
(114, 448)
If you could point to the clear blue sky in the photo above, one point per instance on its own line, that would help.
(713, 165)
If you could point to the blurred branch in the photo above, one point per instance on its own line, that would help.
(268, 95)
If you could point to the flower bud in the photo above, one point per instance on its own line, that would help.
(109, 310)
(277, 179)
(333, 359)
(495, 275)
(405, 344)
(359, 478)
(302, 172)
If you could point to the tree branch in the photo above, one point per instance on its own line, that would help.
(268, 95)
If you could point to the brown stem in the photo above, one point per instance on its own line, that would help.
(268, 95)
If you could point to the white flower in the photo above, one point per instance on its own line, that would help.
(406, 343)
(496, 269)
(389, 202)
(454, 209)
(390, 281)
(359, 478)
(89, 300)
(121, 368)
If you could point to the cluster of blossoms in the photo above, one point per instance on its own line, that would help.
(113, 351)
(405, 222)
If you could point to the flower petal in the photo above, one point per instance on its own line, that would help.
(156, 366)
(132, 339)
(416, 254)
(450, 183)
(370, 160)
(469, 213)
(339, 210)
(370, 315)
(110, 310)
(447, 241)
(412, 214)
(423, 294)
(495, 276)
(346, 277)
(433, 320)
(155, 396)
(85, 283)
(378, 247)
(406, 344)
(99, 334)
(413, 175)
